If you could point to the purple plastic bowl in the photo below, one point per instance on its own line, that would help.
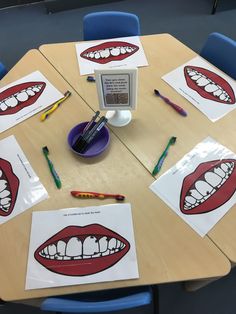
(96, 147)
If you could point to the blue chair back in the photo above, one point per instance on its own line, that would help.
(221, 52)
(3, 70)
(109, 301)
(110, 24)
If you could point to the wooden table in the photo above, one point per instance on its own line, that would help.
(167, 249)
(154, 122)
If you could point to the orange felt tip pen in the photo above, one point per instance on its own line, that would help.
(81, 194)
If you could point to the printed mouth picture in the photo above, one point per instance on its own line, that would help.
(82, 251)
(20, 96)
(209, 85)
(109, 51)
(211, 185)
(9, 185)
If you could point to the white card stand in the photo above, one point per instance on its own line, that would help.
(119, 117)
(117, 93)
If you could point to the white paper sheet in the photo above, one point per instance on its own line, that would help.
(200, 188)
(24, 98)
(206, 87)
(20, 187)
(81, 245)
(110, 53)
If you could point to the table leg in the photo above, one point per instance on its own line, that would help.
(214, 7)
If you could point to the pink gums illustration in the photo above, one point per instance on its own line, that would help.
(211, 185)
(209, 85)
(82, 251)
(9, 185)
(109, 51)
(20, 96)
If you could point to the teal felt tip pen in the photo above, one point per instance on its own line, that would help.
(51, 167)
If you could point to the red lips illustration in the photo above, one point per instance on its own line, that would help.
(17, 97)
(211, 185)
(81, 251)
(109, 51)
(9, 185)
(209, 85)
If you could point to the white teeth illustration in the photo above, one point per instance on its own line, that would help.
(122, 50)
(97, 55)
(4, 193)
(195, 77)
(219, 171)
(3, 185)
(74, 247)
(190, 199)
(3, 106)
(202, 81)
(30, 92)
(106, 253)
(223, 96)
(0, 173)
(191, 73)
(36, 89)
(194, 193)
(17, 98)
(224, 167)
(52, 249)
(128, 49)
(61, 247)
(23, 96)
(11, 102)
(107, 52)
(218, 92)
(112, 244)
(214, 179)
(115, 52)
(45, 251)
(88, 248)
(203, 187)
(209, 86)
(103, 244)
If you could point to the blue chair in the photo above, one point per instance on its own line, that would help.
(3, 70)
(221, 52)
(117, 300)
(110, 24)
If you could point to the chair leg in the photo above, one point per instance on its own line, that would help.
(214, 7)
(155, 294)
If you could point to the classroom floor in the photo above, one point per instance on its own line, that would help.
(25, 27)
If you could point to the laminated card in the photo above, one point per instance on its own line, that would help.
(20, 187)
(81, 245)
(110, 53)
(24, 98)
(206, 87)
(200, 188)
